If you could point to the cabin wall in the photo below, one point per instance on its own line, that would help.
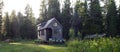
(57, 34)
(56, 30)
(42, 35)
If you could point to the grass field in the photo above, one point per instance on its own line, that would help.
(30, 46)
(96, 45)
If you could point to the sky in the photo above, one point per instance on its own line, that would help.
(19, 5)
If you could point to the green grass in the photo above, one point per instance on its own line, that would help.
(97, 45)
(30, 46)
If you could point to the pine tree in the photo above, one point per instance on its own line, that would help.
(111, 19)
(104, 12)
(118, 22)
(96, 17)
(43, 13)
(21, 22)
(14, 26)
(29, 28)
(7, 26)
(53, 9)
(65, 18)
(1, 6)
(75, 20)
(84, 28)
(20, 18)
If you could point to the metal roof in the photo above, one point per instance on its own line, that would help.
(46, 24)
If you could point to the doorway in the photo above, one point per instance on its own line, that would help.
(48, 33)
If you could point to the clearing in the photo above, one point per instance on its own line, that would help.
(30, 46)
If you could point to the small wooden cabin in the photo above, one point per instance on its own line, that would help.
(50, 30)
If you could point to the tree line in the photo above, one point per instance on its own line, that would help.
(85, 18)
(19, 26)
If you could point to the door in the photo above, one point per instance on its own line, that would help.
(49, 33)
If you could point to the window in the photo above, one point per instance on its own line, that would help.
(55, 24)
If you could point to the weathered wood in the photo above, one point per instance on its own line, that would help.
(52, 29)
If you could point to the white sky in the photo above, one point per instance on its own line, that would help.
(19, 5)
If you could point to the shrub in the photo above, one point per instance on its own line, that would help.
(97, 45)
(71, 34)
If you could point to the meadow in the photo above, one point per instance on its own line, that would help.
(95, 45)
(30, 46)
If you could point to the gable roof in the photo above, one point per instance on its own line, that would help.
(46, 24)
(42, 24)
(49, 21)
